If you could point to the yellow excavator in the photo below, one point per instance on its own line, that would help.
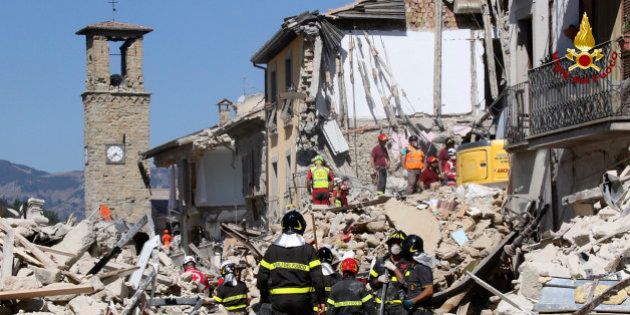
(483, 162)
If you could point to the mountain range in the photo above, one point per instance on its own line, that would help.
(63, 192)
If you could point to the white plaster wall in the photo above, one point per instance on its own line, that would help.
(540, 27)
(219, 179)
(564, 13)
(410, 55)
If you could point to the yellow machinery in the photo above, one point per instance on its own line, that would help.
(483, 162)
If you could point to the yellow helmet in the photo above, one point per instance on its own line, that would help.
(318, 158)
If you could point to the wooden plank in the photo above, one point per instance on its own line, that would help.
(42, 292)
(356, 206)
(257, 254)
(204, 259)
(41, 256)
(7, 257)
(497, 292)
(54, 251)
(135, 299)
(588, 307)
(24, 256)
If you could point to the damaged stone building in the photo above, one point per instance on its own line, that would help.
(216, 173)
(334, 80)
(571, 127)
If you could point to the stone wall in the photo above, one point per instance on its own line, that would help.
(420, 16)
(114, 118)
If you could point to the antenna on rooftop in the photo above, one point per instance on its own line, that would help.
(113, 3)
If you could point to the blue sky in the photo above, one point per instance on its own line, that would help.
(197, 54)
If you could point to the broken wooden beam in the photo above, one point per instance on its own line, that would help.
(180, 301)
(43, 292)
(202, 257)
(588, 307)
(242, 230)
(243, 239)
(119, 245)
(43, 258)
(24, 256)
(360, 205)
(135, 299)
(54, 251)
(585, 196)
(118, 273)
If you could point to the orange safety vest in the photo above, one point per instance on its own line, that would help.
(414, 159)
(320, 176)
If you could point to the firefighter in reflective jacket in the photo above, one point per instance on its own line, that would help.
(349, 296)
(318, 181)
(290, 271)
(418, 278)
(390, 270)
(232, 294)
(331, 276)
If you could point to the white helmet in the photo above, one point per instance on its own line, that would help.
(188, 259)
(452, 152)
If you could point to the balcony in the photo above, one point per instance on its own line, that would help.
(517, 124)
(566, 107)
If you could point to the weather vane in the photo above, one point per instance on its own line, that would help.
(113, 2)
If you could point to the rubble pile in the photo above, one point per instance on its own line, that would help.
(55, 280)
(469, 214)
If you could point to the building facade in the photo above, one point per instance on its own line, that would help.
(566, 126)
(116, 120)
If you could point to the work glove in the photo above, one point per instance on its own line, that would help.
(408, 304)
(390, 265)
(383, 279)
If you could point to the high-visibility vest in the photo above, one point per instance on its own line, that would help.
(320, 176)
(414, 159)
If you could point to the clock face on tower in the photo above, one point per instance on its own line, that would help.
(115, 153)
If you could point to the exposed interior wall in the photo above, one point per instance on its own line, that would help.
(219, 179)
(282, 143)
(410, 58)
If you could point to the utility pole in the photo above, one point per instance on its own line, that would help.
(492, 72)
(437, 61)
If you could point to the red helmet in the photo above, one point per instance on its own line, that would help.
(349, 264)
(432, 159)
(382, 137)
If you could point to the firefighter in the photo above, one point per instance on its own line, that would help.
(190, 266)
(232, 294)
(290, 270)
(419, 277)
(340, 192)
(390, 270)
(318, 181)
(349, 296)
(331, 276)
(380, 163)
(166, 240)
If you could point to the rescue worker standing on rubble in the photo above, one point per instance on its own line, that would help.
(449, 168)
(380, 163)
(198, 277)
(232, 294)
(443, 155)
(418, 279)
(318, 181)
(290, 270)
(166, 240)
(413, 162)
(349, 296)
(390, 270)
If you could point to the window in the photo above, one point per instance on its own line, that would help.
(273, 87)
(288, 73)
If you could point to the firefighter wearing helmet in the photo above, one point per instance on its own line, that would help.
(380, 163)
(349, 296)
(387, 274)
(232, 293)
(419, 277)
(319, 181)
(290, 270)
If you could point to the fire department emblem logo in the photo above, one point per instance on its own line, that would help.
(584, 42)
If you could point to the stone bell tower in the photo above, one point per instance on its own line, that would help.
(116, 119)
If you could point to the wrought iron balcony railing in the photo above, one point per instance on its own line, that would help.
(561, 98)
(517, 119)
